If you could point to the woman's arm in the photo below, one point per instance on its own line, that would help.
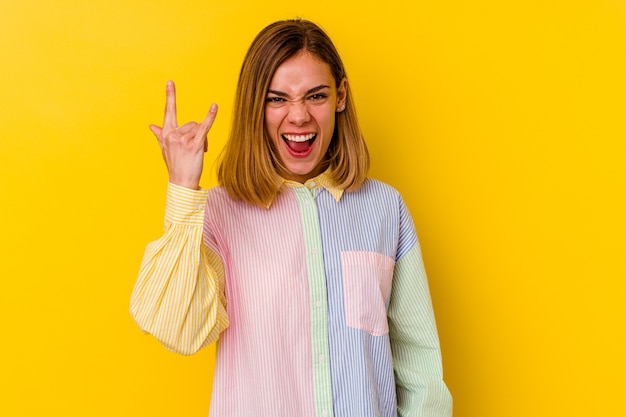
(414, 343)
(179, 294)
(421, 391)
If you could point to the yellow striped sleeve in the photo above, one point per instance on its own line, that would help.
(179, 294)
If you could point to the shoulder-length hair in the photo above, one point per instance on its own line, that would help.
(250, 168)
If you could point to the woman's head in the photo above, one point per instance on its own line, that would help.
(293, 116)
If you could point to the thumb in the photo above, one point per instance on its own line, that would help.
(156, 130)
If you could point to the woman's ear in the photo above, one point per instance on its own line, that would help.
(342, 95)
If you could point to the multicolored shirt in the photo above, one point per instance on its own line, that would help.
(320, 302)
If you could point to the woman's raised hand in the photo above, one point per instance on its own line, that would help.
(183, 147)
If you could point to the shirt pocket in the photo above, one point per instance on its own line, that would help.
(367, 280)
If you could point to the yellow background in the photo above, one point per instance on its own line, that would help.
(502, 124)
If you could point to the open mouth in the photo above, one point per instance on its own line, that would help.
(299, 145)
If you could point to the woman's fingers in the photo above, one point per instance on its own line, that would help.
(186, 128)
(156, 130)
(206, 124)
(182, 146)
(169, 119)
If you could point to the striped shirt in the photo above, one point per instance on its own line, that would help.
(320, 302)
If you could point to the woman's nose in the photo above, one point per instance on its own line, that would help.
(298, 113)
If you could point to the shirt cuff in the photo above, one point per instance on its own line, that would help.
(184, 205)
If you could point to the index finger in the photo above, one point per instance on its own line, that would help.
(169, 120)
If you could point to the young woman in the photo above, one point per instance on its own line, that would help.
(308, 273)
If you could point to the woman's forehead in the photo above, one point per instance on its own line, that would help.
(301, 73)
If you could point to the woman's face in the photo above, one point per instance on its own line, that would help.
(300, 114)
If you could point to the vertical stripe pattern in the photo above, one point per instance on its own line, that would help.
(326, 301)
(264, 362)
(318, 302)
(179, 294)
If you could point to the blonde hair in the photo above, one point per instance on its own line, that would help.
(250, 167)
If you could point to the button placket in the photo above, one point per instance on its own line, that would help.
(318, 296)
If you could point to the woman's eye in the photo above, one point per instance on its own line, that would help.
(274, 100)
(317, 97)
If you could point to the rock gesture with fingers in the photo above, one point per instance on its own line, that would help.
(183, 147)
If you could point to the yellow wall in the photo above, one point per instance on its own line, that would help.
(502, 123)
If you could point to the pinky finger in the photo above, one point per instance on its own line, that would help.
(206, 124)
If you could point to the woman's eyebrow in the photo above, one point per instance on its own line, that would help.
(309, 91)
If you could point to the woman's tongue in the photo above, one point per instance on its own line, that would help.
(299, 147)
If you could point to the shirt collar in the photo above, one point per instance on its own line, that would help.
(321, 181)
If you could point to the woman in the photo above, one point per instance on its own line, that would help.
(309, 273)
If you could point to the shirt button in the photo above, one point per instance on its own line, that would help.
(321, 358)
(318, 304)
(312, 184)
(324, 413)
(313, 251)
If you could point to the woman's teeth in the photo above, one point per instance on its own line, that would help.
(299, 138)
